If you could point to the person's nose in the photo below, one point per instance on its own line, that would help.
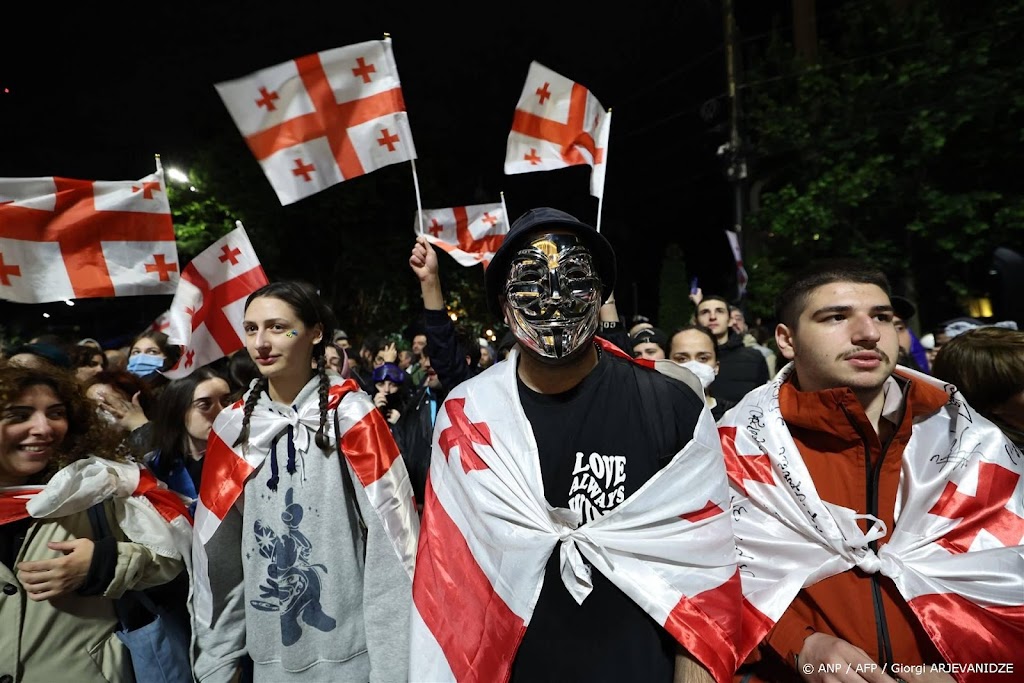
(215, 410)
(262, 341)
(865, 330)
(40, 426)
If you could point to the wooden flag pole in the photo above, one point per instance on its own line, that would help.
(508, 219)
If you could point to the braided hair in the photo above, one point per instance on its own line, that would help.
(303, 298)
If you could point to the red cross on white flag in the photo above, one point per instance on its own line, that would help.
(75, 239)
(470, 234)
(741, 272)
(319, 120)
(207, 310)
(558, 123)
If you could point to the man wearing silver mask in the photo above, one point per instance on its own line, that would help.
(551, 443)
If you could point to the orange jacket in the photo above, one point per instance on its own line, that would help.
(852, 467)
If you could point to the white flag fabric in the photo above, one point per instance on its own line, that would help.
(955, 554)
(558, 123)
(62, 238)
(669, 547)
(324, 118)
(737, 254)
(470, 234)
(207, 310)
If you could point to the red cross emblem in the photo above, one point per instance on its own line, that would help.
(986, 509)
(230, 254)
(435, 227)
(303, 170)
(146, 189)
(741, 468)
(387, 140)
(464, 434)
(364, 70)
(162, 267)
(189, 357)
(6, 270)
(267, 98)
(532, 157)
(490, 220)
(543, 93)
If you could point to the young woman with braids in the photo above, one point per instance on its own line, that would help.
(305, 539)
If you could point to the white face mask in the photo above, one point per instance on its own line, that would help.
(705, 373)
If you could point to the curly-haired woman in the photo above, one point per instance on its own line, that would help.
(57, 613)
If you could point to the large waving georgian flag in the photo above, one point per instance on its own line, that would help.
(205, 317)
(365, 441)
(955, 555)
(470, 234)
(488, 532)
(74, 239)
(321, 119)
(558, 123)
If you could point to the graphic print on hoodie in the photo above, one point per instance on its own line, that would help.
(293, 585)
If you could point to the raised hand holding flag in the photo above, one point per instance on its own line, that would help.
(207, 310)
(324, 118)
(470, 234)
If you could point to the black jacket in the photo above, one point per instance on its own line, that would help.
(413, 433)
(740, 369)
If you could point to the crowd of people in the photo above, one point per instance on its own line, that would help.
(586, 500)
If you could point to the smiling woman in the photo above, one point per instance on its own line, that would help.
(57, 461)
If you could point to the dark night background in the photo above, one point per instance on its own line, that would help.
(94, 93)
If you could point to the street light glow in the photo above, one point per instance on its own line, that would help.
(177, 175)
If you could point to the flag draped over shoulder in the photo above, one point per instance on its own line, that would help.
(74, 239)
(955, 554)
(324, 118)
(470, 234)
(364, 440)
(147, 511)
(558, 123)
(488, 532)
(207, 310)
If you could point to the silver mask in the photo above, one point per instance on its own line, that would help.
(553, 295)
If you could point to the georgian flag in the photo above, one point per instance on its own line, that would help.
(488, 532)
(955, 554)
(207, 310)
(74, 239)
(319, 120)
(558, 123)
(147, 511)
(470, 234)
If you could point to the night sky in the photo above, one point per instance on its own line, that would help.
(95, 93)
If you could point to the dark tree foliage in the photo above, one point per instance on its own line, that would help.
(900, 144)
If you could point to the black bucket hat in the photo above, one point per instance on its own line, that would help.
(540, 220)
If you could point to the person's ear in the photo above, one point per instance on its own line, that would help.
(717, 365)
(319, 333)
(784, 339)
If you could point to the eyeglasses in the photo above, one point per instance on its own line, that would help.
(205, 404)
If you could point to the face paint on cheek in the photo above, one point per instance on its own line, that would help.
(291, 333)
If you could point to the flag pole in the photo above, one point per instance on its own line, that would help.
(508, 221)
(415, 178)
(159, 166)
(600, 200)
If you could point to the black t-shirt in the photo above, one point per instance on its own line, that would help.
(598, 443)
